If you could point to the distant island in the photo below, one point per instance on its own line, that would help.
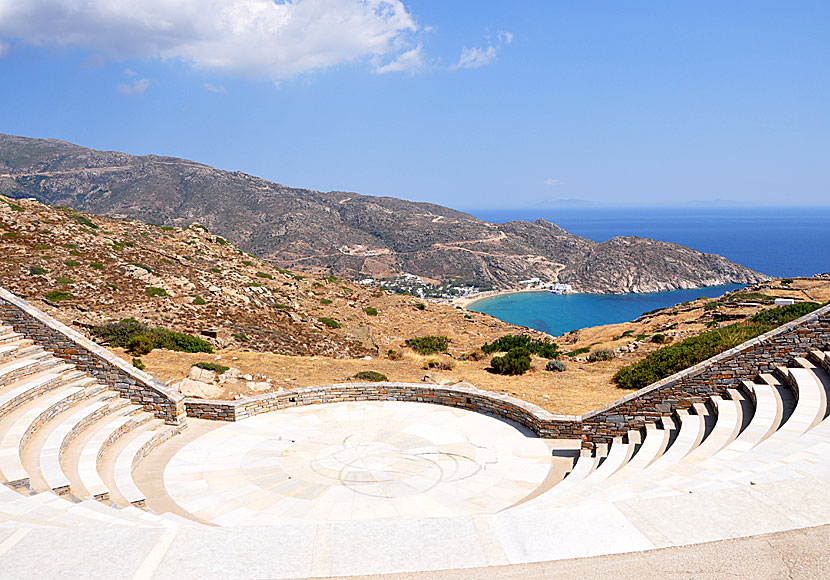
(388, 242)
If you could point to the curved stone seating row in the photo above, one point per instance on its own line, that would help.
(733, 449)
(57, 425)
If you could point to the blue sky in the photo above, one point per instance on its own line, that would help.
(469, 104)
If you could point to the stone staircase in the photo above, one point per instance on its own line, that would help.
(58, 428)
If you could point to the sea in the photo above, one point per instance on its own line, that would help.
(784, 242)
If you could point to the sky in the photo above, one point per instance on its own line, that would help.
(470, 104)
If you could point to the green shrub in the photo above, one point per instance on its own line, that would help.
(428, 344)
(209, 366)
(329, 322)
(641, 337)
(279, 306)
(254, 285)
(83, 221)
(118, 333)
(96, 265)
(298, 277)
(714, 305)
(64, 281)
(786, 281)
(371, 377)
(9, 234)
(600, 355)
(660, 338)
(216, 270)
(420, 306)
(325, 301)
(515, 362)
(221, 241)
(12, 206)
(784, 314)
(468, 317)
(70, 263)
(58, 295)
(264, 275)
(142, 266)
(74, 253)
(556, 365)
(154, 291)
(199, 301)
(392, 354)
(138, 364)
(36, 270)
(371, 311)
(579, 351)
(541, 347)
(139, 345)
(677, 357)
(751, 297)
(474, 355)
(330, 279)
(43, 247)
(240, 337)
(318, 285)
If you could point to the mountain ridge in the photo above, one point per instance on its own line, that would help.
(344, 233)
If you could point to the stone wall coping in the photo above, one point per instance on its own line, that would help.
(536, 412)
(83, 342)
(704, 365)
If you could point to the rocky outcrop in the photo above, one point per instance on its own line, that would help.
(346, 234)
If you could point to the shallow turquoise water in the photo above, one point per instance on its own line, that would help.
(558, 313)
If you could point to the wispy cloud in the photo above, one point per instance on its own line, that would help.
(219, 89)
(135, 88)
(129, 73)
(254, 38)
(477, 57)
(410, 61)
(5, 48)
(553, 182)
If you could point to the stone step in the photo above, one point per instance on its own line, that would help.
(34, 386)
(69, 426)
(105, 433)
(31, 360)
(9, 335)
(130, 455)
(12, 349)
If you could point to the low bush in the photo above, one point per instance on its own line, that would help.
(139, 345)
(64, 281)
(36, 270)
(371, 377)
(279, 306)
(677, 357)
(329, 322)
(474, 355)
(714, 305)
(420, 306)
(579, 351)
(221, 241)
(515, 362)
(96, 265)
(641, 337)
(444, 364)
(83, 221)
(240, 337)
(58, 295)
(660, 338)
(556, 365)
(784, 314)
(118, 333)
(371, 311)
(392, 354)
(70, 263)
(156, 292)
(216, 270)
(264, 275)
(199, 301)
(330, 279)
(138, 364)
(428, 344)
(600, 355)
(468, 316)
(209, 366)
(325, 301)
(540, 347)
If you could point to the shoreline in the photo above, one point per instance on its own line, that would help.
(465, 301)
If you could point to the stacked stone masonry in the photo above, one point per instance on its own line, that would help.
(139, 387)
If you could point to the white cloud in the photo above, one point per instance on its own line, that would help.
(128, 72)
(5, 49)
(478, 57)
(133, 89)
(410, 61)
(551, 181)
(215, 88)
(258, 38)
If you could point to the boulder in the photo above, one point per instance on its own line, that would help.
(438, 379)
(203, 375)
(198, 389)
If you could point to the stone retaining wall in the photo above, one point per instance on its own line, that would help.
(541, 422)
(711, 377)
(138, 386)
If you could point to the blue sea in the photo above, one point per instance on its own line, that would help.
(775, 241)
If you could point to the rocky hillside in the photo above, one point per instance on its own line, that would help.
(86, 269)
(347, 234)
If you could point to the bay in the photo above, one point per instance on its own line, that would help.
(559, 313)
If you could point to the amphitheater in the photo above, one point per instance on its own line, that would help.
(109, 474)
